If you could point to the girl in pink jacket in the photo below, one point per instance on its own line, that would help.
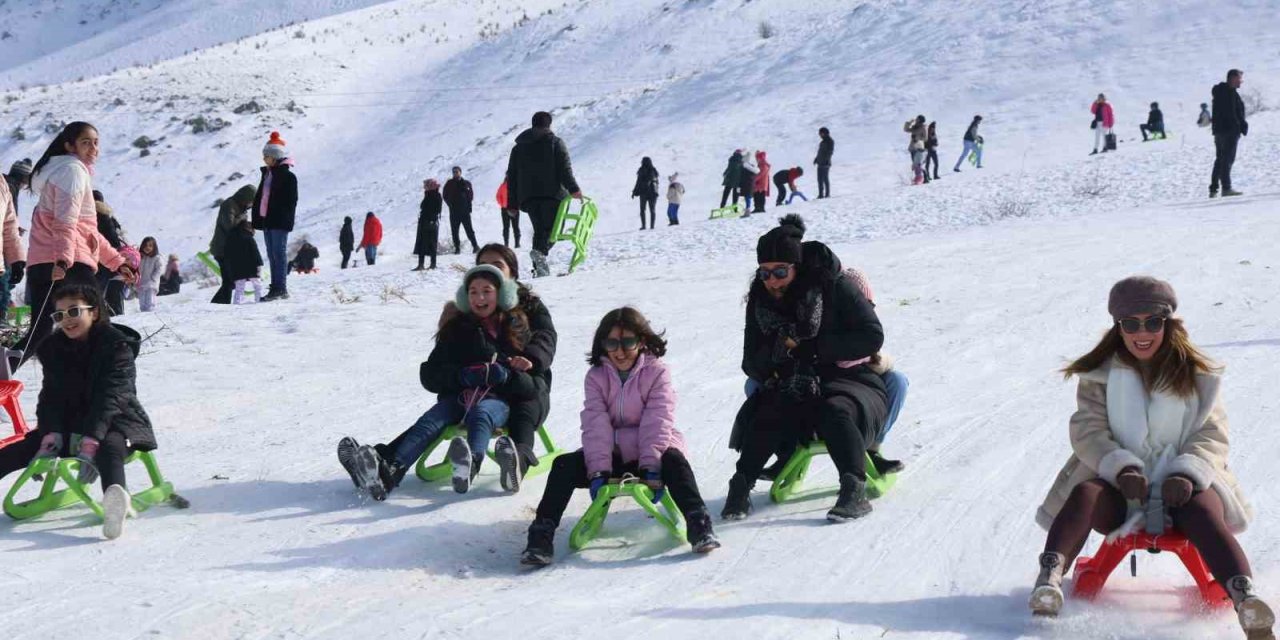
(1104, 118)
(628, 427)
(65, 244)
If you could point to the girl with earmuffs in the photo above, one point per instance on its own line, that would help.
(469, 371)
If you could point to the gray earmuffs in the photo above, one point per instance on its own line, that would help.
(508, 292)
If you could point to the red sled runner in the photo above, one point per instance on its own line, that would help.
(1091, 573)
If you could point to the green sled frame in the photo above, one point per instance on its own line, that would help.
(576, 228)
(443, 470)
(731, 211)
(65, 470)
(788, 482)
(589, 526)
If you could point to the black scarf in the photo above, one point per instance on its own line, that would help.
(797, 317)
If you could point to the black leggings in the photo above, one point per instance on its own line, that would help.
(40, 287)
(569, 472)
(931, 159)
(757, 201)
(724, 197)
(782, 193)
(223, 294)
(824, 181)
(652, 203)
(510, 224)
(109, 461)
(778, 424)
(1098, 506)
(346, 257)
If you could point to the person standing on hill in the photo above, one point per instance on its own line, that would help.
(231, 213)
(675, 193)
(747, 180)
(539, 177)
(1228, 125)
(1104, 118)
(510, 216)
(346, 241)
(371, 238)
(647, 190)
(274, 208)
(459, 196)
(826, 149)
(972, 144)
(1205, 119)
(919, 133)
(428, 237)
(760, 190)
(931, 152)
(12, 251)
(732, 178)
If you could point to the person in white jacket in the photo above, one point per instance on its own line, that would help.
(1151, 430)
(747, 180)
(150, 271)
(12, 250)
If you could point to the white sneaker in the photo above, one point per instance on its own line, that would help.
(508, 457)
(116, 507)
(460, 458)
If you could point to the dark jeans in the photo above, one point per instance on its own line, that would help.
(931, 159)
(109, 461)
(542, 213)
(824, 181)
(757, 199)
(460, 219)
(835, 419)
(40, 287)
(113, 293)
(724, 198)
(524, 418)
(782, 193)
(346, 257)
(652, 203)
(277, 241)
(510, 224)
(1096, 505)
(223, 295)
(569, 472)
(1152, 131)
(1226, 156)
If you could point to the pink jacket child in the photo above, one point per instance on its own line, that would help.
(64, 226)
(635, 419)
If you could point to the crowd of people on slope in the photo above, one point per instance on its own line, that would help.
(922, 146)
(749, 175)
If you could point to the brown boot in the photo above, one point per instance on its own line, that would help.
(1046, 597)
(1256, 618)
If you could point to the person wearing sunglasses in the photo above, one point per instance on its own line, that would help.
(1150, 426)
(88, 406)
(809, 338)
(628, 427)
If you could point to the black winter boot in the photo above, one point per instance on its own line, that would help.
(737, 505)
(698, 528)
(540, 550)
(852, 502)
(883, 465)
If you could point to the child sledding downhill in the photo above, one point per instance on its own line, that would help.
(628, 427)
(471, 370)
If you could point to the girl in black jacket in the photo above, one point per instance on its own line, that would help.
(428, 239)
(346, 241)
(473, 370)
(88, 406)
(647, 190)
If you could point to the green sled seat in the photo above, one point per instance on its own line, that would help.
(55, 470)
(731, 211)
(443, 470)
(793, 473)
(589, 526)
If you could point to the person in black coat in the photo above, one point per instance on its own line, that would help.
(647, 190)
(275, 217)
(346, 241)
(810, 334)
(826, 149)
(459, 196)
(428, 237)
(243, 262)
(305, 260)
(111, 284)
(88, 406)
(1155, 123)
(539, 177)
(1228, 125)
(475, 372)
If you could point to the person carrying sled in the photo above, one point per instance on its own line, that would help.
(1228, 125)
(628, 427)
(1104, 118)
(810, 336)
(427, 240)
(1154, 124)
(972, 144)
(1150, 425)
(539, 177)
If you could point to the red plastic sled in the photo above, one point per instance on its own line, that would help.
(1091, 573)
(9, 392)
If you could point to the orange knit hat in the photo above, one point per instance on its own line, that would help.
(275, 147)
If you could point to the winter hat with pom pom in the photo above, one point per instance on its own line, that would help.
(783, 243)
(508, 292)
(275, 147)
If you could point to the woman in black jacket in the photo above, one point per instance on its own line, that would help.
(428, 240)
(346, 241)
(88, 406)
(810, 337)
(475, 371)
(647, 190)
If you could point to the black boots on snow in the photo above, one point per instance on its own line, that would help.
(698, 530)
(737, 505)
(852, 503)
(540, 550)
(883, 465)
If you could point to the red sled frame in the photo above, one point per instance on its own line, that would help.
(1091, 573)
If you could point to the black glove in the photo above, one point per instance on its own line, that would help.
(16, 271)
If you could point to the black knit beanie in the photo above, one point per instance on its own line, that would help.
(783, 243)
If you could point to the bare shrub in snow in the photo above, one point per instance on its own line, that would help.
(1254, 102)
(341, 297)
(392, 292)
(766, 30)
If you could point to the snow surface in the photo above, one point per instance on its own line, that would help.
(987, 282)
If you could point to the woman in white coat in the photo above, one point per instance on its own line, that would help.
(1150, 424)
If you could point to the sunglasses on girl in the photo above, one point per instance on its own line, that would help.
(70, 312)
(1154, 324)
(613, 344)
(773, 274)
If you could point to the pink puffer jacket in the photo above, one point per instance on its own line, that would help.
(64, 227)
(1108, 115)
(637, 418)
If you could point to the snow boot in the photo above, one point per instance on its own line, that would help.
(1256, 618)
(510, 466)
(883, 465)
(737, 505)
(541, 550)
(1227, 193)
(116, 506)
(390, 473)
(701, 537)
(852, 502)
(1213, 194)
(463, 464)
(540, 268)
(366, 468)
(1046, 597)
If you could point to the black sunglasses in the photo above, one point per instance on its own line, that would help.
(613, 344)
(1154, 324)
(775, 274)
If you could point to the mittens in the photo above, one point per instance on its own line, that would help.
(1132, 484)
(50, 445)
(653, 480)
(598, 481)
(85, 455)
(1176, 491)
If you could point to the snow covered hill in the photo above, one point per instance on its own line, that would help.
(987, 281)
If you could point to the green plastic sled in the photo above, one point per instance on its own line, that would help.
(576, 228)
(65, 469)
(443, 470)
(973, 155)
(793, 473)
(589, 526)
(19, 316)
(731, 211)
